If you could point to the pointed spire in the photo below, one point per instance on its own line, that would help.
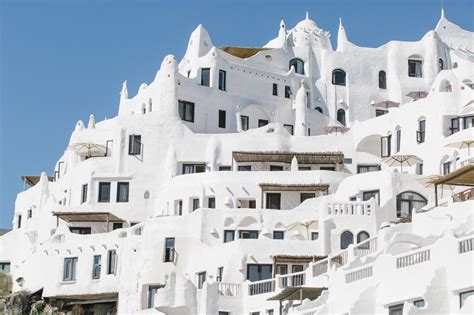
(341, 37)
(442, 13)
(282, 34)
(307, 16)
(91, 124)
(124, 92)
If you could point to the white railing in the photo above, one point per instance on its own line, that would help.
(350, 207)
(413, 259)
(295, 279)
(466, 245)
(359, 274)
(340, 259)
(366, 247)
(262, 286)
(228, 289)
(320, 267)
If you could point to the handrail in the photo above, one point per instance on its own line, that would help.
(414, 258)
(359, 274)
(294, 279)
(228, 289)
(367, 247)
(466, 245)
(262, 286)
(350, 207)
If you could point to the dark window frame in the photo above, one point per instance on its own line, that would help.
(341, 116)
(244, 122)
(298, 64)
(103, 196)
(386, 143)
(229, 233)
(367, 193)
(184, 113)
(278, 235)
(222, 119)
(169, 249)
(306, 195)
(84, 190)
(134, 144)
(206, 81)
(345, 243)
(399, 201)
(339, 77)
(413, 65)
(222, 80)
(96, 266)
(289, 128)
(70, 275)
(262, 122)
(275, 89)
(268, 196)
(120, 197)
(382, 80)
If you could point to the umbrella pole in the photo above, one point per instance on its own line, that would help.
(436, 194)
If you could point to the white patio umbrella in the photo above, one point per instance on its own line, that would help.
(386, 104)
(462, 139)
(336, 128)
(87, 148)
(402, 160)
(416, 95)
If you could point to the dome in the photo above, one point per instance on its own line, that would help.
(307, 25)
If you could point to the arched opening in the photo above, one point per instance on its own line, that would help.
(339, 77)
(298, 64)
(407, 201)
(347, 238)
(445, 86)
(341, 116)
(362, 236)
(319, 109)
(370, 145)
(382, 80)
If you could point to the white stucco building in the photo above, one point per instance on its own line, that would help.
(265, 181)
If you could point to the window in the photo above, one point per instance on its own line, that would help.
(193, 168)
(117, 225)
(341, 116)
(220, 273)
(275, 89)
(69, 272)
(104, 192)
(419, 303)
(278, 235)
(29, 214)
(195, 203)
(420, 134)
(289, 128)
(169, 250)
(244, 120)
(84, 193)
(225, 168)
(5, 267)
(367, 195)
(287, 91)
(327, 168)
(339, 77)
(407, 201)
(96, 266)
(382, 80)
(258, 272)
(440, 64)
(223, 313)
(363, 236)
(298, 64)
(152, 290)
(399, 140)
(150, 105)
(454, 125)
(463, 297)
(269, 312)
(252, 204)
(134, 144)
(244, 168)
(319, 109)
(254, 313)
(346, 239)
(122, 191)
(201, 279)
(248, 234)
(179, 207)
(314, 236)
(304, 168)
(380, 112)
(262, 122)
(229, 236)
(112, 260)
(221, 118)
(273, 201)
(186, 110)
(205, 76)
(80, 230)
(222, 80)
(385, 146)
(367, 168)
(395, 309)
(274, 168)
(419, 169)
(446, 168)
(415, 68)
(304, 196)
(211, 202)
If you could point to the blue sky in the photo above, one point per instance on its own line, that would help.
(63, 60)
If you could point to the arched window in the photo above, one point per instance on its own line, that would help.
(298, 64)
(341, 116)
(382, 80)
(347, 238)
(319, 109)
(338, 77)
(440, 64)
(362, 236)
(407, 201)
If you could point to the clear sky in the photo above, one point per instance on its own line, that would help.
(63, 60)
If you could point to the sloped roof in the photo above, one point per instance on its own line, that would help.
(33, 180)
(286, 157)
(460, 177)
(76, 216)
(293, 187)
(242, 52)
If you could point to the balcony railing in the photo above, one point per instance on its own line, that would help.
(413, 259)
(295, 279)
(350, 207)
(228, 289)
(262, 286)
(359, 274)
(320, 267)
(366, 247)
(465, 246)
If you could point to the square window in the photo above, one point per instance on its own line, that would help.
(186, 110)
(134, 144)
(415, 68)
(104, 192)
(367, 195)
(195, 202)
(122, 192)
(314, 236)
(396, 309)
(289, 128)
(117, 225)
(211, 202)
(262, 122)
(244, 168)
(273, 201)
(229, 236)
(304, 196)
(278, 235)
(248, 234)
(225, 168)
(69, 272)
